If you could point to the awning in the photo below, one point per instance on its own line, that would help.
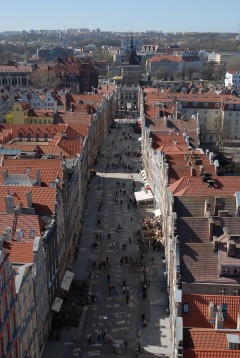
(157, 213)
(57, 304)
(67, 280)
(143, 195)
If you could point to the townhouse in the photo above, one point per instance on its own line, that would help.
(198, 214)
(9, 341)
(218, 114)
(45, 171)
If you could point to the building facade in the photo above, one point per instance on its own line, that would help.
(9, 342)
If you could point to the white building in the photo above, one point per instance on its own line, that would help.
(232, 79)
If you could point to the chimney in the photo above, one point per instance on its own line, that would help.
(219, 320)
(231, 248)
(5, 176)
(9, 202)
(38, 177)
(211, 311)
(165, 121)
(201, 170)
(215, 243)
(238, 321)
(210, 228)
(29, 199)
(193, 171)
(223, 213)
(206, 208)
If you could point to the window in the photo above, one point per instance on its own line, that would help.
(186, 308)
(217, 105)
(230, 106)
(1, 280)
(236, 292)
(223, 291)
(3, 309)
(226, 270)
(205, 104)
(11, 326)
(29, 137)
(224, 310)
(236, 121)
(37, 137)
(205, 119)
(195, 104)
(45, 136)
(216, 112)
(210, 138)
(20, 136)
(205, 111)
(5, 337)
(230, 114)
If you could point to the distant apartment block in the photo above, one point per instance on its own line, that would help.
(52, 54)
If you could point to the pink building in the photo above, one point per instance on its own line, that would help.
(9, 345)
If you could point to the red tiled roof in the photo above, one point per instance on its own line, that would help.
(199, 263)
(171, 58)
(48, 174)
(21, 251)
(224, 186)
(198, 315)
(191, 353)
(207, 343)
(43, 198)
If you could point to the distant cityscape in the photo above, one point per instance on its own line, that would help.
(175, 100)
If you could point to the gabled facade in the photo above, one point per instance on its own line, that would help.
(9, 341)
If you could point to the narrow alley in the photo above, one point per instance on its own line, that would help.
(121, 316)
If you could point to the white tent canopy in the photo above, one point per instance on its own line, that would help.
(57, 304)
(157, 212)
(143, 195)
(67, 280)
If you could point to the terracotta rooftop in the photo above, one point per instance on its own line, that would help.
(43, 198)
(207, 343)
(199, 263)
(198, 315)
(21, 251)
(224, 186)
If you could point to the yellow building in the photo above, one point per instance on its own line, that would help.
(22, 114)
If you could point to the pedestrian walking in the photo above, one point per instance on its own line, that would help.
(107, 260)
(108, 278)
(103, 334)
(110, 289)
(130, 240)
(93, 297)
(131, 219)
(126, 343)
(98, 334)
(127, 298)
(89, 338)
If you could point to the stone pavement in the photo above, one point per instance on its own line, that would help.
(108, 310)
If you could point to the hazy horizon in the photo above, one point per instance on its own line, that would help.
(124, 16)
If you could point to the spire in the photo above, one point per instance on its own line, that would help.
(131, 43)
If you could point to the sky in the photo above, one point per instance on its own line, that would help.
(122, 15)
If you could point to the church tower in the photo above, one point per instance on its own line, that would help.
(128, 91)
